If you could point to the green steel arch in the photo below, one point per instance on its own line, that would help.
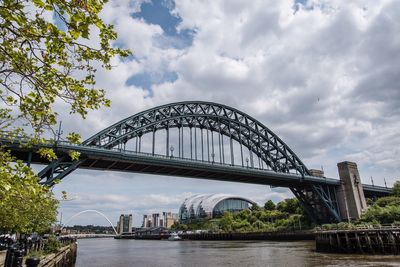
(222, 119)
(318, 197)
(278, 164)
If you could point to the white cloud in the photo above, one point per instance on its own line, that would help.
(324, 78)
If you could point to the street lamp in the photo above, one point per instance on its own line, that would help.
(172, 151)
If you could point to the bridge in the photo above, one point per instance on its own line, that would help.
(199, 140)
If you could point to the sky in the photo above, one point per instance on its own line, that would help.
(323, 75)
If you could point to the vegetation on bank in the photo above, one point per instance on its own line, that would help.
(286, 215)
(385, 210)
(382, 211)
(92, 229)
(290, 215)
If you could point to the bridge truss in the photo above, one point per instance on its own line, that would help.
(210, 133)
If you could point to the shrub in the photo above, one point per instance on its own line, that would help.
(52, 245)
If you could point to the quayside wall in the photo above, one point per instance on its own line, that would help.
(298, 235)
(368, 241)
(294, 235)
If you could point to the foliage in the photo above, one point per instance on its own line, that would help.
(383, 215)
(74, 155)
(226, 222)
(97, 229)
(385, 210)
(35, 254)
(269, 205)
(291, 205)
(340, 226)
(43, 62)
(255, 207)
(52, 245)
(388, 201)
(255, 219)
(47, 153)
(25, 206)
(396, 189)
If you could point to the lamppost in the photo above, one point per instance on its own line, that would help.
(172, 151)
(58, 133)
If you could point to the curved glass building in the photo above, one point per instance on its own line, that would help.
(206, 206)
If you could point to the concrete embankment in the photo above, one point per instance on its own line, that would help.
(295, 235)
(369, 241)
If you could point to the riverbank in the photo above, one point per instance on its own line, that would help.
(370, 241)
(273, 236)
(276, 236)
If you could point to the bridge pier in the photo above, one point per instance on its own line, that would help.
(350, 193)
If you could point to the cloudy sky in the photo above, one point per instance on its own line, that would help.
(323, 75)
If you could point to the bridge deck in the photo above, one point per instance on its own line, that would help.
(129, 161)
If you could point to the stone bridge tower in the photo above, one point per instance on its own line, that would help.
(350, 195)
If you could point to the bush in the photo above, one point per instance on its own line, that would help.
(345, 225)
(396, 189)
(269, 205)
(52, 245)
(382, 215)
(386, 201)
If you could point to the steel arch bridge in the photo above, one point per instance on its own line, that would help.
(205, 116)
(214, 141)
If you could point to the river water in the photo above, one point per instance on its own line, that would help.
(119, 252)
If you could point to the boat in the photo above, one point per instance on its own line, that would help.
(174, 237)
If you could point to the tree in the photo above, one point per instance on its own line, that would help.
(42, 62)
(396, 189)
(269, 205)
(226, 222)
(290, 205)
(384, 215)
(25, 205)
(255, 207)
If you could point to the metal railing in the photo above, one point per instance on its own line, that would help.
(9, 137)
(18, 249)
(371, 227)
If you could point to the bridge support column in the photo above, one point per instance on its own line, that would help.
(351, 197)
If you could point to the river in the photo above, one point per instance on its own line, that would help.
(111, 252)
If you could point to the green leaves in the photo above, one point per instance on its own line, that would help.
(25, 206)
(42, 61)
(74, 155)
(74, 138)
(47, 153)
(386, 210)
(38, 3)
(396, 189)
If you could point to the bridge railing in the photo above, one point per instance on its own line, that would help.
(60, 143)
(10, 137)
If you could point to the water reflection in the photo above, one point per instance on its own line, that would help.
(110, 252)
